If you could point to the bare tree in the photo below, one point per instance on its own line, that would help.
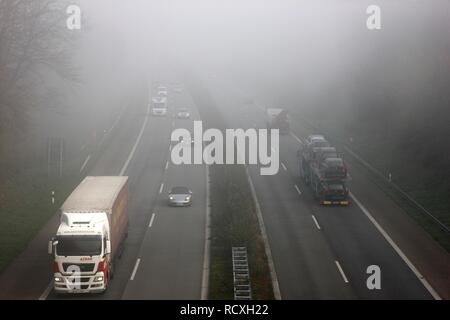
(33, 41)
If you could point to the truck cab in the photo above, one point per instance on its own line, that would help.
(90, 236)
(81, 251)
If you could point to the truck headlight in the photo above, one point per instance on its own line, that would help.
(98, 279)
(58, 279)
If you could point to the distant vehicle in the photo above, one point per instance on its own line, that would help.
(178, 88)
(316, 140)
(159, 106)
(334, 168)
(183, 113)
(93, 225)
(161, 91)
(278, 118)
(321, 154)
(321, 167)
(180, 196)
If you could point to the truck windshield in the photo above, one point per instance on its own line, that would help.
(159, 105)
(89, 245)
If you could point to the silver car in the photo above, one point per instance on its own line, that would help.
(180, 196)
(183, 113)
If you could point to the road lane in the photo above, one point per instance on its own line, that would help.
(350, 236)
(145, 170)
(172, 251)
(29, 275)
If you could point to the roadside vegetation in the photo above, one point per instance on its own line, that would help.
(45, 99)
(27, 55)
(387, 98)
(233, 218)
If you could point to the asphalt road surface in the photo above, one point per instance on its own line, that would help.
(318, 252)
(168, 242)
(324, 252)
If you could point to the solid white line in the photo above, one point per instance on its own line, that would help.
(296, 138)
(315, 221)
(135, 269)
(206, 254)
(85, 162)
(151, 220)
(284, 167)
(341, 271)
(298, 190)
(133, 150)
(167, 165)
(397, 249)
(47, 291)
(273, 273)
(273, 150)
(161, 187)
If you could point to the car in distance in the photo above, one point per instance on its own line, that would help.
(159, 106)
(180, 196)
(161, 91)
(183, 113)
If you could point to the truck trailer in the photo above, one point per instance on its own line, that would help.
(325, 172)
(89, 239)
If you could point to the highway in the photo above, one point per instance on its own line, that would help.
(161, 238)
(170, 259)
(318, 252)
(323, 252)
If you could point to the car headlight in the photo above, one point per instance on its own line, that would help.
(58, 279)
(188, 198)
(170, 198)
(98, 279)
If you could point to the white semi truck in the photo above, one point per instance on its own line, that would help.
(93, 226)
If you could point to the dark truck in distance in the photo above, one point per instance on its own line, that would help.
(321, 167)
(278, 118)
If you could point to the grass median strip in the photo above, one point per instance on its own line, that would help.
(234, 221)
